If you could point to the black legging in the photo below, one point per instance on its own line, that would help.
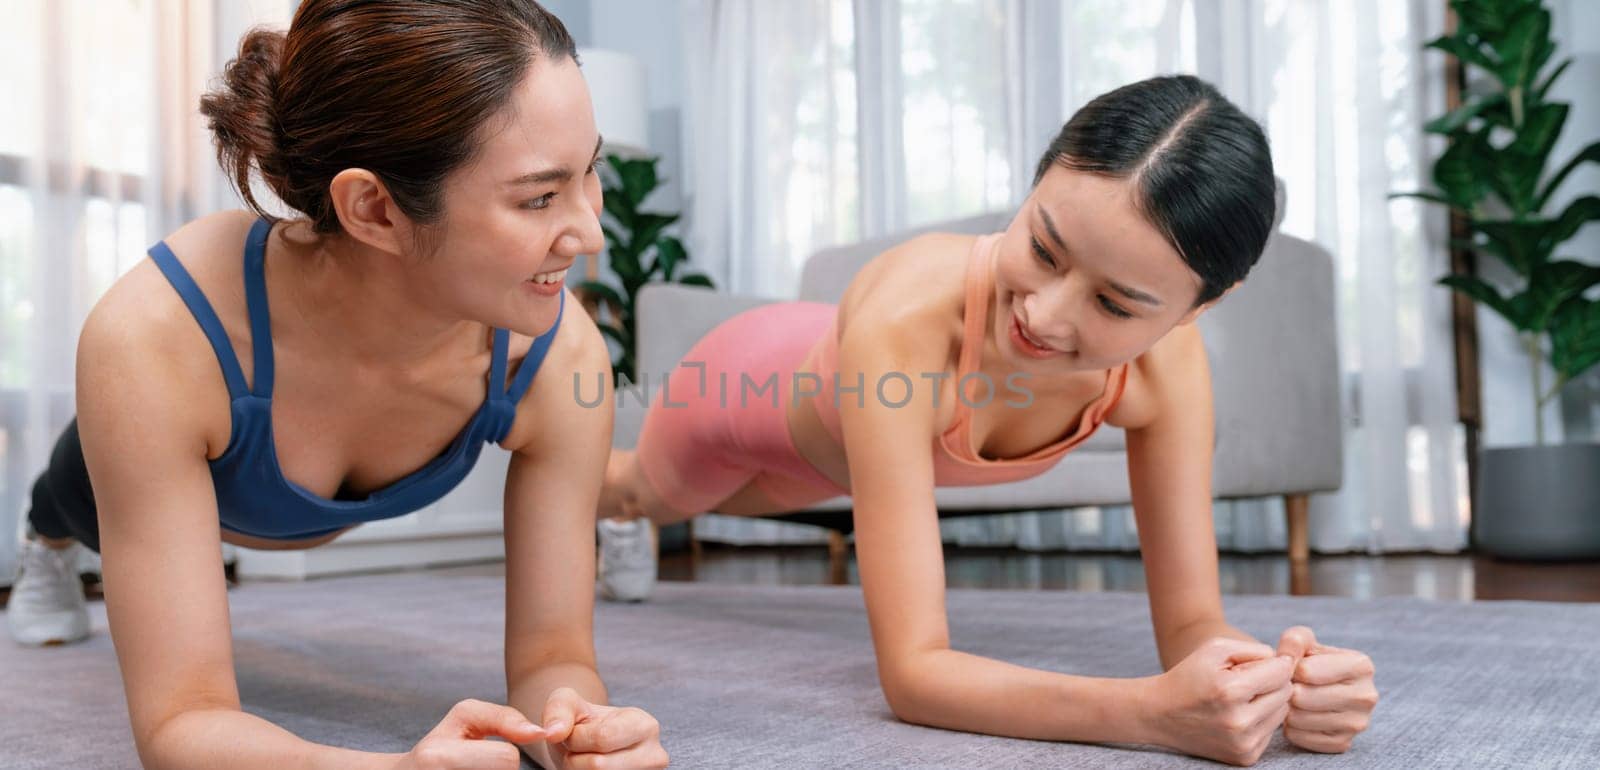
(63, 501)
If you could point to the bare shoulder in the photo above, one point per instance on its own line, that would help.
(914, 290)
(204, 239)
(141, 330)
(143, 311)
(929, 250)
(144, 314)
(925, 270)
(1167, 376)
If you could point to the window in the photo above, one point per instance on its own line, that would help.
(953, 101)
(74, 160)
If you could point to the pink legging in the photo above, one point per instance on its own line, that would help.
(726, 427)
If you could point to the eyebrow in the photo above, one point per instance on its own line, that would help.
(557, 174)
(1126, 291)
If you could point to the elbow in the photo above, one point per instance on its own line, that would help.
(159, 743)
(905, 694)
(167, 740)
(903, 704)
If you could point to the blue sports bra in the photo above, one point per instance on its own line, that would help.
(253, 497)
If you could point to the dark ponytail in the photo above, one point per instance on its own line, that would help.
(1201, 167)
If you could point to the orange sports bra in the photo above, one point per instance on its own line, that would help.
(955, 461)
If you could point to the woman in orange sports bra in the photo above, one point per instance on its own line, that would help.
(953, 360)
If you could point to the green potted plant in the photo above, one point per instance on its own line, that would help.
(1540, 501)
(639, 251)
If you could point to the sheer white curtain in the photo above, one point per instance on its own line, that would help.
(774, 167)
(102, 152)
(813, 123)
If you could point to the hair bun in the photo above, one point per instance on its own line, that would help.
(241, 112)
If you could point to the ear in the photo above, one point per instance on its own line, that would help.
(1199, 310)
(367, 212)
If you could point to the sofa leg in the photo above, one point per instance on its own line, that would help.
(838, 558)
(1296, 509)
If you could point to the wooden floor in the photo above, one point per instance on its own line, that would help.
(1456, 578)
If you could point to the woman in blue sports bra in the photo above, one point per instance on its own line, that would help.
(273, 383)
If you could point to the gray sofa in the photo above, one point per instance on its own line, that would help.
(1274, 361)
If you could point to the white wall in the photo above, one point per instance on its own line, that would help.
(574, 14)
(651, 30)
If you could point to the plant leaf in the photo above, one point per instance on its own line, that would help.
(1498, 115)
(1547, 48)
(697, 279)
(1540, 127)
(1459, 171)
(669, 254)
(1540, 90)
(1481, 291)
(1518, 48)
(648, 227)
(1457, 119)
(1457, 46)
(638, 177)
(1577, 214)
(1590, 154)
(1575, 337)
(1427, 196)
(1483, 17)
(616, 204)
(1528, 243)
(1513, 176)
(632, 282)
(630, 234)
(1519, 243)
(626, 266)
(605, 293)
(1552, 284)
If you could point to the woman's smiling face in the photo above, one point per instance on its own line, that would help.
(1083, 280)
(528, 205)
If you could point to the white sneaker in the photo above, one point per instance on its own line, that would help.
(47, 604)
(627, 560)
